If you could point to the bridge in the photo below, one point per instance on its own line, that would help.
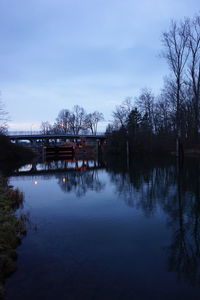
(34, 136)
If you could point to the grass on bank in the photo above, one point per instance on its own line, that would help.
(12, 228)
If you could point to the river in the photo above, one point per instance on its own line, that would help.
(104, 231)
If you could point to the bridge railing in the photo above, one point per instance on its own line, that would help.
(28, 133)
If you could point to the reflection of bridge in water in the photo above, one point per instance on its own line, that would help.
(53, 167)
(79, 176)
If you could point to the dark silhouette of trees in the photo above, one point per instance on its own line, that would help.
(169, 121)
(3, 119)
(176, 52)
(121, 112)
(194, 68)
(145, 104)
(73, 122)
(63, 121)
(45, 127)
(77, 119)
(92, 120)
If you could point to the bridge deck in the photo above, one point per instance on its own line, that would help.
(55, 136)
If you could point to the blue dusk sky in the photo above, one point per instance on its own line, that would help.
(94, 53)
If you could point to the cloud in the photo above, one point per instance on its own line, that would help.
(20, 126)
(57, 53)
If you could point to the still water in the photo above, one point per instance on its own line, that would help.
(105, 231)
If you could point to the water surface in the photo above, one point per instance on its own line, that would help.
(109, 232)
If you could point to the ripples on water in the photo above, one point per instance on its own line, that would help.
(105, 231)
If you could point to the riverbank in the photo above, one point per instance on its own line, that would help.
(12, 156)
(13, 152)
(12, 228)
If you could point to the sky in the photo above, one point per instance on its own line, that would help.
(55, 54)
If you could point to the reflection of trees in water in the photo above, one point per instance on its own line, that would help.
(143, 188)
(184, 212)
(80, 182)
(78, 176)
(177, 193)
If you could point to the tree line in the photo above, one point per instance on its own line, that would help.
(75, 122)
(157, 123)
(3, 118)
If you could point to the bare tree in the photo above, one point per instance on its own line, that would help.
(176, 52)
(92, 121)
(3, 119)
(194, 67)
(121, 112)
(77, 119)
(145, 104)
(74, 121)
(45, 128)
(63, 121)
